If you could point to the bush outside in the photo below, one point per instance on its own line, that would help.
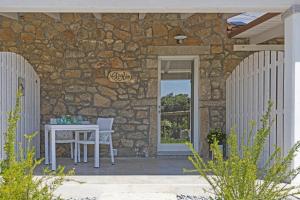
(17, 170)
(238, 176)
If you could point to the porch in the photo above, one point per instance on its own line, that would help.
(131, 178)
(74, 54)
(160, 166)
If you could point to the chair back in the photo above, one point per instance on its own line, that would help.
(105, 124)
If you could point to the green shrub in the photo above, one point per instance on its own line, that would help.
(17, 170)
(216, 134)
(239, 178)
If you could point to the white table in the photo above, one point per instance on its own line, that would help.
(53, 128)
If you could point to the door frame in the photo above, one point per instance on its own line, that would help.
(180, 149)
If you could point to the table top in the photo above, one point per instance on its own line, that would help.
(72, 126)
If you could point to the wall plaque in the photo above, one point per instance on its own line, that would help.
(119, 76)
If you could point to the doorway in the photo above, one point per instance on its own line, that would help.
(178, 115)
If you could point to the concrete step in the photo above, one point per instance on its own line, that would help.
(131, 187)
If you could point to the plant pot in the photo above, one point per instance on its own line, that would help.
(221, 147)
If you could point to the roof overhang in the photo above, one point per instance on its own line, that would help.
(266, 27)
(145, 6)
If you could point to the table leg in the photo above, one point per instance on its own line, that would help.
(97, 158)
(53, 150)
(85, 147)
(76, 146)
(46, 146)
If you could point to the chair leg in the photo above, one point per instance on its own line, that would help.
(50, 159)
(50, 154)
(72, 151)
(111, 151)
(76, 146)
(85, 148)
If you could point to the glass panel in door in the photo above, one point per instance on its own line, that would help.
(176, 100)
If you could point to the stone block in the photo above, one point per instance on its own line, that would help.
(101, 101)
(72, 73)
(127, 143)
(159, 29)
(178, 50)
(118, 45)
(106, 54)
(204, 129)
(74, 54)
(88, 112)
(141, 114)
(27, 37)
(120, 104)
(205, 89)
(116, 63)
(152, 88)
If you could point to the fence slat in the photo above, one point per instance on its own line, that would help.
(245, 97)
(280, 98)
(256, 90)
(237, 95)
(4, 104)
(227, 106)
(273, 92)
(1, 111)
(233, 86)
(266, 152)
(13, 81)
(250, 93)
(38, 120)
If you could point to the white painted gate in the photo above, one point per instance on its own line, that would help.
(256, 80)
(15, 70)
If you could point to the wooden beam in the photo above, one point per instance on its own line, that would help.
(55, 16)
(272, 33)
(253, 47)
(98, 16)
(13, 16)
(255, 22)
(153, 6)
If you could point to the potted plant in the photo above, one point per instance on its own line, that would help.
(218, 135)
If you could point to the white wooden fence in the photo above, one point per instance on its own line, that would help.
(15, 70)
(256, 80)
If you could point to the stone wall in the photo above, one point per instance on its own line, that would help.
(73, 57)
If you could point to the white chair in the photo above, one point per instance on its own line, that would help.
(64, 137)
(105, 137)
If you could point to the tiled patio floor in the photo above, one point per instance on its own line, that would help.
(128, 166)
(130, 178)
(132, 187)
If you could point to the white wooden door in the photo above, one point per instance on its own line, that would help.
(16, 71)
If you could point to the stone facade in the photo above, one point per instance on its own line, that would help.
(74, 56)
